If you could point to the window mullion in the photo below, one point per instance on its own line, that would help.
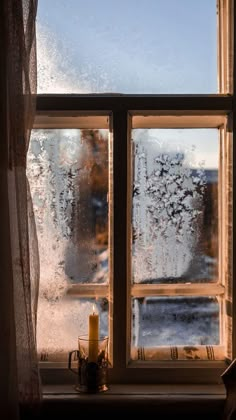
(189, 104)
(119, 238)
(89, 290)
(178, 289)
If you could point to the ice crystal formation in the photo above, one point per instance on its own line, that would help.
(167, 214)
(59, 170)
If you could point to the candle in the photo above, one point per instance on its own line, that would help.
(93, 337)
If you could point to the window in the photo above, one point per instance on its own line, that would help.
(133, 191)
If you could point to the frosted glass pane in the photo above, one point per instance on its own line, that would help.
(154, 46)
(161, 321)
(62, 321)
(175, 205)
(68, 175)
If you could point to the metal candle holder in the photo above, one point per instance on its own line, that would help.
(92, 375)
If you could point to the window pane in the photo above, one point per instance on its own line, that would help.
(158, 46)
(175, 205)
(161, 321)
(61, 321)
(68, 175)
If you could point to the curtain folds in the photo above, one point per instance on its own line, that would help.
(20, 262)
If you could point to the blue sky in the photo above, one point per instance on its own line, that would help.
(131, 46)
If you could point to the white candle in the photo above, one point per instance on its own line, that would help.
(93, 337)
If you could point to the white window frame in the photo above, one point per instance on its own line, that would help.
(166, 111)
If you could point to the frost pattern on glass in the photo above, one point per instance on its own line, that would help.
(179, 320)
(68, 175)
(91, 47)
(60, 323)
(171, 205)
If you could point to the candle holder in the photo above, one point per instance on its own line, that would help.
(92, 358)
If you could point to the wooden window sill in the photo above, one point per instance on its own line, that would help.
(197, 401)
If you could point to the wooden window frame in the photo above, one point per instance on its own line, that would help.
(57, 111)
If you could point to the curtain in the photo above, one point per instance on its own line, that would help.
(19, 378)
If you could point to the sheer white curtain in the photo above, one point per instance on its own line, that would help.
(19, 263)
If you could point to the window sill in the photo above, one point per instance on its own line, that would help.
(206, 401)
